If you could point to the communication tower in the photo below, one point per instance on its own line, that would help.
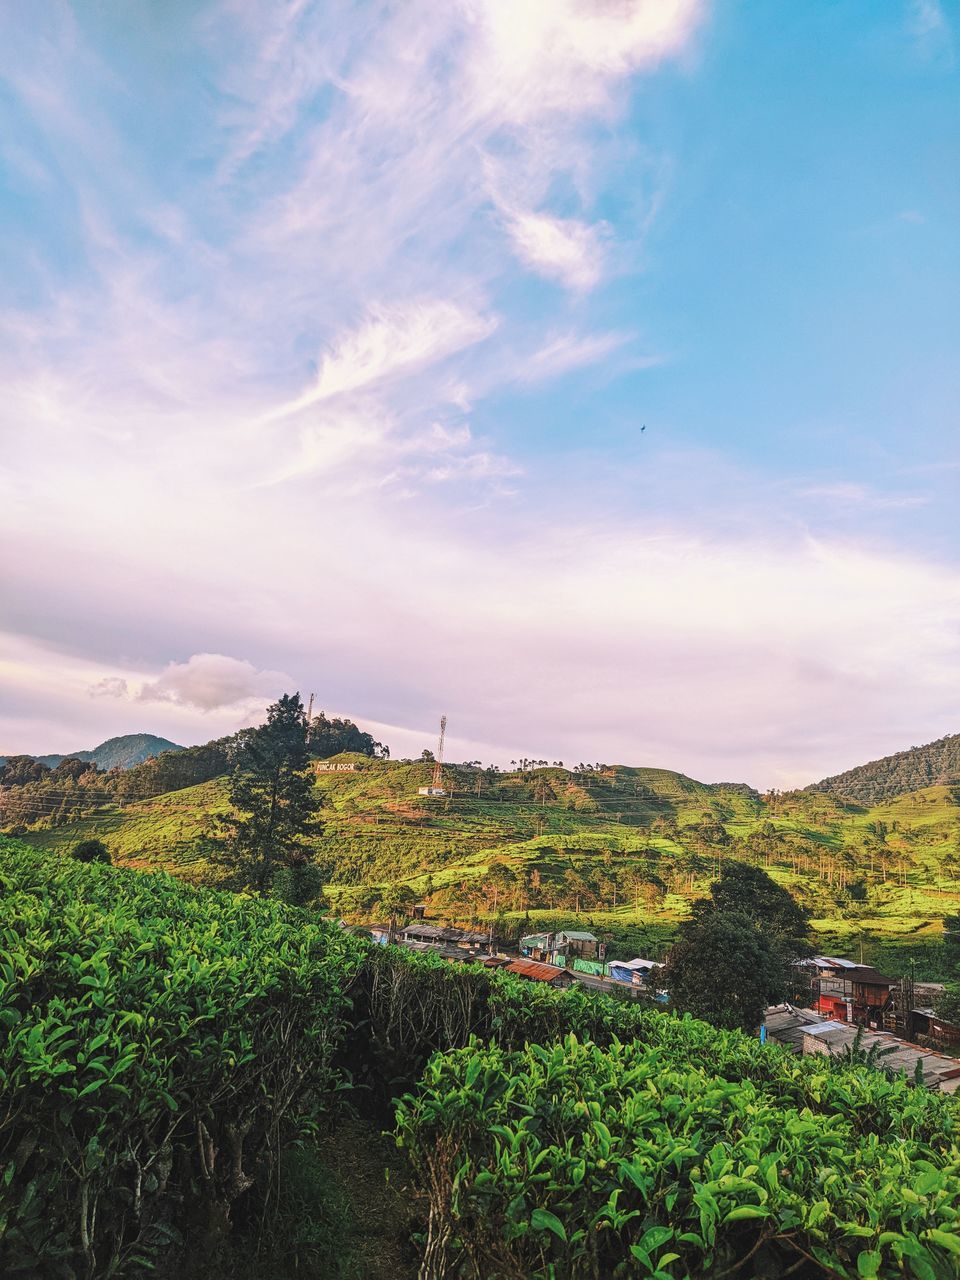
(436, 787)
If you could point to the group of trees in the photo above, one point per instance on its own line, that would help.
(31, 793)
(934, 764)
(53, 797)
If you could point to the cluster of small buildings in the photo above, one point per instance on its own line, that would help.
(805, 1031)
(551, 958)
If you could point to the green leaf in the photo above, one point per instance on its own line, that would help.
(745, 1211)
(544, 1220)
(868, 1262)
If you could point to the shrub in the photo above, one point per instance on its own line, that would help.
(158, 1045)
(568, 1160)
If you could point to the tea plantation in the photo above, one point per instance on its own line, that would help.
(165, 1050)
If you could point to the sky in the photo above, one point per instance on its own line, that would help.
(585, 370)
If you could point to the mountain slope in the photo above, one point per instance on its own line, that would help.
(936, 764)
(618, 849)
(118, 753)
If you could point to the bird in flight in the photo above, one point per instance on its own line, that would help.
(644, 427)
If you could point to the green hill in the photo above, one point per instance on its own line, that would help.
(625, 849)
(935, 764)
(117, 753)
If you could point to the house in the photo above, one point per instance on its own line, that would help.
(431, 791)
(421, 931)
(929, 1028)
(537, 945)
(576, 943)
(806, 1032)
(533, 971)
(380, 933)
(636, 972)
(848, 991)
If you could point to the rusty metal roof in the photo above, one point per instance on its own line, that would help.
(535, 970)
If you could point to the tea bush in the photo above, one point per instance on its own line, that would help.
(158, 1046)
(572, 1160)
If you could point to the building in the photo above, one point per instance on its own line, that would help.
(533, 971)
(848, 991)
(380, 933)
(636, 972)
(805, 1032)
(431, 791)
(434, 935)
(576, 943)
(537, 945)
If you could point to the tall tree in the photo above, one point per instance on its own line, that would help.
(750, 892)
(722, 969)
(274, 803)
(735, 955)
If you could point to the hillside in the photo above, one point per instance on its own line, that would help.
(936, 764)
(624, 849)
(117, 753)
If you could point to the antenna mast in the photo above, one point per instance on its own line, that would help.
(438, 767)
(310, 710)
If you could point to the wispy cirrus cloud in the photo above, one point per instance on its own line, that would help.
(392, 342)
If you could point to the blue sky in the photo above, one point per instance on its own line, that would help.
(330, 331)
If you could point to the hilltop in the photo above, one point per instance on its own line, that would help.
(116, 753)
(625, 850)
(936, 764)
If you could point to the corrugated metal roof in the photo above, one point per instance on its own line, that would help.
(577, 935)
(535, 969)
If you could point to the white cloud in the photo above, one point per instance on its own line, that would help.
(110, 687)
(930, 29)
(851, 494)
(392, 342)
(565, 352)
(560, 248)
(212, 681)
(534, 57)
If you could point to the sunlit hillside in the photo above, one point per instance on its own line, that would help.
(626, 849)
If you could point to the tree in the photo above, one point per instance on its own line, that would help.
(21, 769)
(948, 1002)
(724, 970)
(91, 851)
(329, 736)
(750, 892)
(735, 955)
(274, 803)
(397, 901)
(72, 768)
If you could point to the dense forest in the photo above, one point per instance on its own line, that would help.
(936, 764)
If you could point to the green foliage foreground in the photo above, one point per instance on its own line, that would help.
(158, 1045)
(572, 1160)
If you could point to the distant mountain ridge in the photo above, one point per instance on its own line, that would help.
(935, 764)
(123, 752)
